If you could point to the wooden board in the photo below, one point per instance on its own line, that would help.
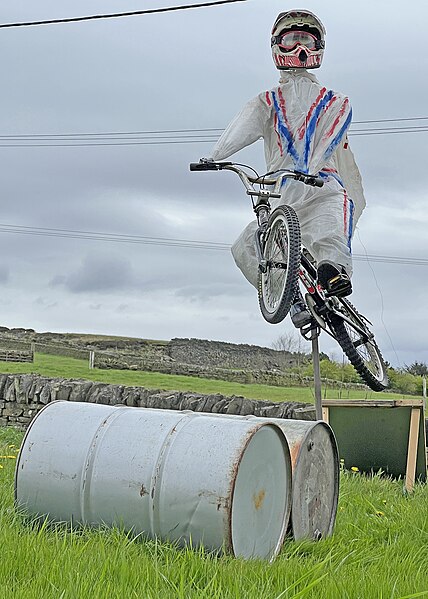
(381, 435)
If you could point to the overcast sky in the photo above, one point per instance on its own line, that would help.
(193, 69)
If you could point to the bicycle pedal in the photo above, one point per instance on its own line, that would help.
(339, 286)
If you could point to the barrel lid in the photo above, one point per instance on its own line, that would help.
(261, 499)
(315, 484)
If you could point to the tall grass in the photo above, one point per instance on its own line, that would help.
(59, 366)
(379, 550)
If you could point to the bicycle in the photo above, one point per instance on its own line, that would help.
(283, 263)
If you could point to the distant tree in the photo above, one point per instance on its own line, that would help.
(417, 369)
(293, 343)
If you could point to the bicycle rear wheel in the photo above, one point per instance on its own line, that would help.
(281, 248)
(358, 343)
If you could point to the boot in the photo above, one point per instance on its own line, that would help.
(299, 313)
(334, 279)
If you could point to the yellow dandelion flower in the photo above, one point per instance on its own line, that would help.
(379, 513)
(1, 466)
(354, 469)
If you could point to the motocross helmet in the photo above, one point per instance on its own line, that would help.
(297, 40)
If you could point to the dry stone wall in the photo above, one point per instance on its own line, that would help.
(201, 352)
(22, 396)
(274, 377)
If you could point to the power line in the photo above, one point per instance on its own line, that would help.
(202, 130)
(417, 118)
(118, 14)
(135, 143)
(155, 137)
(155, 132)
(387, 131)
(162, 141)
(173, 242)
(184, 131)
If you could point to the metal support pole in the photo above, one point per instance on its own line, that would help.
(317, 372)
(424, 390)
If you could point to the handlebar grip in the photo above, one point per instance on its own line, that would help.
(208, 166)
(311, 180)
(203, 166)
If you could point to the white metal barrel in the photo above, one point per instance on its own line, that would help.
(315, 480)
(179, 476)
(315, 474)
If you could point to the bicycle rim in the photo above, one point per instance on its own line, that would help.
(277, 286)
(360, 348)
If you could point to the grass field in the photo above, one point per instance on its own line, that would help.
(58, 366)
(379, 550)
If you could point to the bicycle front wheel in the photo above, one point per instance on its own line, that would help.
(359, 345)
(277, 285)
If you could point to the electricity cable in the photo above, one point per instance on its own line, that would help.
(208, 131)
(119, 14)
(160, 137)
(368, 260)
(173, 242)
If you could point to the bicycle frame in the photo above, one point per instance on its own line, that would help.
(325, 306)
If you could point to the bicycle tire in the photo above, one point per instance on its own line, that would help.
(281, 248)
(364, 355)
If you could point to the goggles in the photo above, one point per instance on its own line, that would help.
(290, 39)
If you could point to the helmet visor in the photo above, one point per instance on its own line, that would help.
(290, 39)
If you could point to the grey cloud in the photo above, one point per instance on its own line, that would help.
(4, 273)
(95, 306)
(99, 273)
(209, 291)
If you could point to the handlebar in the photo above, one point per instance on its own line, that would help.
(206, 165)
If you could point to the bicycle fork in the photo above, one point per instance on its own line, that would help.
(261, 208)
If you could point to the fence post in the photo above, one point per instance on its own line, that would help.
(424, 390)
(91, 359)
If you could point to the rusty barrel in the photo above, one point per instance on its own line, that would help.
(178, 476)
(315, 476)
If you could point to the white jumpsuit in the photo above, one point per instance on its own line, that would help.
(304, 126)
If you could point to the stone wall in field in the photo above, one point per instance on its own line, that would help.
(273, 377)
(188, 357)
(23, 395)
(229, 355)
(197, 352)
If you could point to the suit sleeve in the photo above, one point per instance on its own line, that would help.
(246, 128)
